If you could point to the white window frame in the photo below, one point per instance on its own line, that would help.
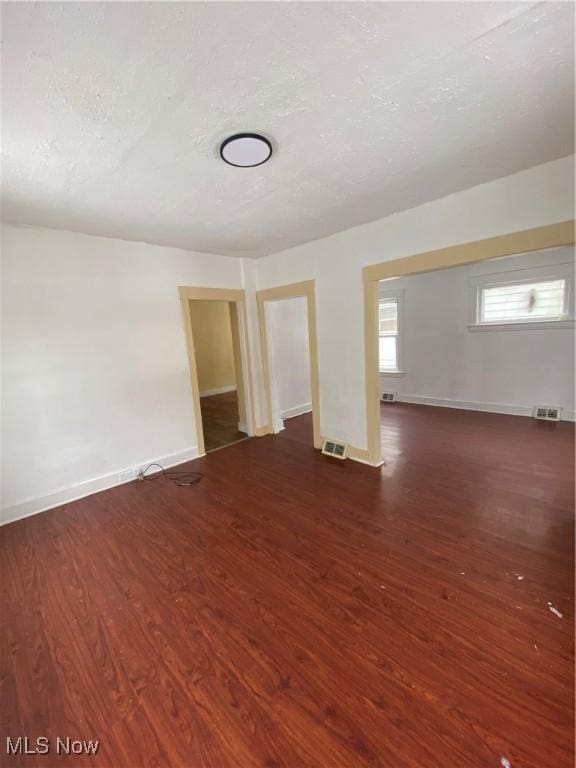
(399, 296)
(519, 277)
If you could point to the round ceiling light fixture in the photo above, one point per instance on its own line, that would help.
(245, 150)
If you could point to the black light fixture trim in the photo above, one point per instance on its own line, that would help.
(235, 137)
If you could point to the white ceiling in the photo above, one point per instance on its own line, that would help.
(112, 112)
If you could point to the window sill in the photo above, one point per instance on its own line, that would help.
(536, 325)
(392, 373)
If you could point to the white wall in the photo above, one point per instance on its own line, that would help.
(94, 358)
(95, 367)
(504, 371)
(287, 332)
(532, 198)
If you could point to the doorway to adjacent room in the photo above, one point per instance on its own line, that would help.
(218, 354)
(290, 359)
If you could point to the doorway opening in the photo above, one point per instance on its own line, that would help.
(473, 351)
(215, 323)
(290, 361)
(416, 341)
(217, 351)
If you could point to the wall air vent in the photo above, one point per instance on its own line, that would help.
(336, 449)
(547, 412)
(388, 397)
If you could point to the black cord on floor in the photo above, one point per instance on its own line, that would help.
(181, 478)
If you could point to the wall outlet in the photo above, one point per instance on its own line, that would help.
(127, 475)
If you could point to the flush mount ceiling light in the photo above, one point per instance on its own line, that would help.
(245, 150)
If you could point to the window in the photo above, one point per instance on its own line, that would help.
(535, 296)
(388, 334)
(522, 302)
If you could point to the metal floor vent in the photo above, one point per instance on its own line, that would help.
(388, 397)
(547, 412)
(336, 449)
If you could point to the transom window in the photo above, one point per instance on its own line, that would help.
(388, 334)
(522, 302)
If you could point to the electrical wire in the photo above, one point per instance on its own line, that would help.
(182, 478)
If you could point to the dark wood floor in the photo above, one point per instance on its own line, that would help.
(220, 420)
(298, 429)
(294, 610)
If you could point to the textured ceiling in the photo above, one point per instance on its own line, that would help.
(112, 112)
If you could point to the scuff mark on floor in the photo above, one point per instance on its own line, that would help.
(505, 763)
(555, 611)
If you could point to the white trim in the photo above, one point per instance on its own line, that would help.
(297, 410)
(277, 425)
(392, 373)
(88, 487)
(525, 325)
(473, 405)
(366, 462)
(218, 391)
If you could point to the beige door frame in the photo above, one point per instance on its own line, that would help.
(239, 327)
(539, 238)
(292, 291)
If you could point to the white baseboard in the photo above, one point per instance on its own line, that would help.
(473, 405)
(218, 391)
(88, 487)
(297, 410)
(366, 462)
(277, 425)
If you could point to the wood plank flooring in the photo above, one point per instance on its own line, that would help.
(220, 420)
(293, 610)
